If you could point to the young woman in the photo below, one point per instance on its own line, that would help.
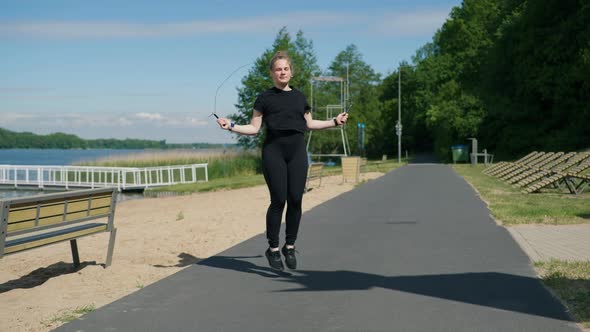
(286, 115)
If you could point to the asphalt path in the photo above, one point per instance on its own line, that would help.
(415, 250)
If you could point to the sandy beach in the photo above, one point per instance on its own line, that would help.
(156, 237)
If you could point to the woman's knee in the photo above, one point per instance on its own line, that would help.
(294, 202)
(278, 203)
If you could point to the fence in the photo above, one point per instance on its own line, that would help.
(92, 177)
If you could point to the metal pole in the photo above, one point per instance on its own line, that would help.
(399, 115)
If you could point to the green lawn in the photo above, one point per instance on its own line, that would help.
(512, 207)
(571, 282)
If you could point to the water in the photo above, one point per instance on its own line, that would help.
(55, 156)
(58, 157)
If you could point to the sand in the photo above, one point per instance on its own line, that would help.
(156, 237)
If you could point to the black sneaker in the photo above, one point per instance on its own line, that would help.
(274, 259)
(290, 259)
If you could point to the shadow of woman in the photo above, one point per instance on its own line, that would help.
(491, 289)
(241, 264)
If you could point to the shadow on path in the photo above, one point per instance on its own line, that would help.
(491, 289)
(237, 263)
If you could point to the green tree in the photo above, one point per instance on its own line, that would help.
(258, 78)
(448, 72)
(536, 82)
(362, 99)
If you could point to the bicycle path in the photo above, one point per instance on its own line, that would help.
(414, 250)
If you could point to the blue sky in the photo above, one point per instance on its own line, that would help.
(150, 69)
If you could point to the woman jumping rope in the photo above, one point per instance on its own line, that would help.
(286, 115)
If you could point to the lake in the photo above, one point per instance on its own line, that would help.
(58, 157)
(55, 156)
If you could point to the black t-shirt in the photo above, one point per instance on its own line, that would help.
(283, 110)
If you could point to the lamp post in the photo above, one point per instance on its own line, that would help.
(398, 125)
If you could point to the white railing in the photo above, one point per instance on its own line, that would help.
(94, 177)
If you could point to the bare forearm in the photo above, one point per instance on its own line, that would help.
(320, 124)
(245, 129)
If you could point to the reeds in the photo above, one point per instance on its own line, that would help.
(221, 163)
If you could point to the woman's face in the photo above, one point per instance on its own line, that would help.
(281, 72)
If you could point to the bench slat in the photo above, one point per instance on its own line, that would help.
(55, 219)
(29, 211)
(99, 202)
(30, 242)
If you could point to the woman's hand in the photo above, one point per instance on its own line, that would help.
(341, 118)
(224, 123)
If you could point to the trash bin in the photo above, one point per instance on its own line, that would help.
(460, 153)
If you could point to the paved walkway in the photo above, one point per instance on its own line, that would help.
(414, 250)
(546, 242)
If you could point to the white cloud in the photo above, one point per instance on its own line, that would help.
(179, 127)
(197, 122)
(124, 122)
(81, 29)
(149, 116)
(403, 23)
(7, 118)
(174, 127)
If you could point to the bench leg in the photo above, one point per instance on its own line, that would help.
(75, 256)
(571, 186)
(111, 247)
(582, 186)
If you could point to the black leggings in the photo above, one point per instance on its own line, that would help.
(284, 164)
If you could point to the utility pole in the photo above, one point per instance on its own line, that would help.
(398, 125)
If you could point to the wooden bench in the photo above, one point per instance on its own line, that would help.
(314, 172)
(36, 221)
(574, 171)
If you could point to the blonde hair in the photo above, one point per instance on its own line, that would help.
(280, 55)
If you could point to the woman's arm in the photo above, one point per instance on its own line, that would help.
(250, 129)
(323, 124)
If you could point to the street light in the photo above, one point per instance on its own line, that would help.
(398, 125)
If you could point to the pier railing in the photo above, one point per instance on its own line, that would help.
(95, 177)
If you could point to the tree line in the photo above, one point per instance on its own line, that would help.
(27, 140)
(513, 73)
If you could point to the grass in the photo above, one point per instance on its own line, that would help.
(70, 315)
(571, 282)
(251, 180)
(382, 166)
(512, 207)
(234, 182)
